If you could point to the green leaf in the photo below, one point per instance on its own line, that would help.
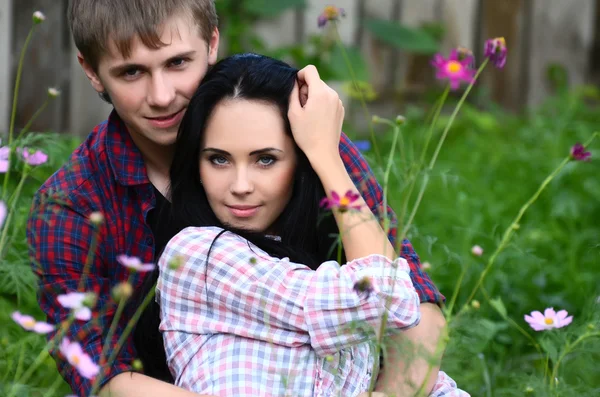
(409, 39)
(549, 347)
(498, 305)
(340, 67)
(271, 8)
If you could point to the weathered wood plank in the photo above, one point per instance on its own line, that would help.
(563, 34)
(45, 63)
(5, 64)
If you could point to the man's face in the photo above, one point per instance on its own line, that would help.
(150, 89)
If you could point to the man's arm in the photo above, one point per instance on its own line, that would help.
(427, 333)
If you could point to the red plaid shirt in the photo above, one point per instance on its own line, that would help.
(107, 174)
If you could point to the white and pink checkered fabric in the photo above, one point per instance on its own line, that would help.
(249, 324)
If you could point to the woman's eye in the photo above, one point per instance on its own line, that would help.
(266, 160)
(218, 160)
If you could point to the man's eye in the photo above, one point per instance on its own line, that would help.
(266, 160)
(178, 62)
(131, 72)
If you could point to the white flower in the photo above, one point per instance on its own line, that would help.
(38, 17)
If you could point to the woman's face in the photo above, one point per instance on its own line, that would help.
(247, 164)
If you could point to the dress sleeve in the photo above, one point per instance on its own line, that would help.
(246, 292)
(445, 386)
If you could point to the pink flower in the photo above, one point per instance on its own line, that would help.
(4, 156)
(477, 250)
(495, 50)
(36, 158)
(3, 212)
(550, 319)
(78, 359)
(342, 203)
(330, 13)
(578, 153)
(134, 263)
(29, 323)
(454, 69)
(75, 301)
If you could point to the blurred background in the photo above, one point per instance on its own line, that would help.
(552, 44)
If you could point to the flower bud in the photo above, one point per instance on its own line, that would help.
(175, 263)
(426, 265)
(375, 119)
(400, 120)
(475, 304)
(53, 92)
(122, 291)
(137, 365)
(90, 300)
(97, 218)
(38, 17)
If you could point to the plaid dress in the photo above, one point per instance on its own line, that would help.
(249, 324)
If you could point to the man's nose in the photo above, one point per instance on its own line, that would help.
(161, 92)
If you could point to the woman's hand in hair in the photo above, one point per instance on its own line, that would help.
(316, 124)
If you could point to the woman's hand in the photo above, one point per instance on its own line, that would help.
(316, 124)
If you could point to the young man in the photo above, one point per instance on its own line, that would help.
(147, 57)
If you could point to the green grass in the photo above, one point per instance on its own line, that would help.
(491, 164)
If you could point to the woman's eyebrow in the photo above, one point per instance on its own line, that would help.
(254, 152)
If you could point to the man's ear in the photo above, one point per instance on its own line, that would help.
(213, 47)
(90, 73)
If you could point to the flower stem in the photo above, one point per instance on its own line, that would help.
(33, 118)
(12, 205)
(50, 392)
(438, 148)
(132, 322)
(363, 103)
(90, 257)
(515, 224)
(568, 349)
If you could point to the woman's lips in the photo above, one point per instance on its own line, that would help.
(243, 211)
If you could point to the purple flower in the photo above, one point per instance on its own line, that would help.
(134, 263)
(578, 153)
(495, 50)
(78, 359)
(363, 145)
(454, 69)
(341, 203)
(29, 323)
(330, 13)
(550, 319)
(36, 158)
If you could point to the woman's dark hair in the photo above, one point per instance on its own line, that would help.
(305, 237)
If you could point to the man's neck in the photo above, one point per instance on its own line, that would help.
(157, 159)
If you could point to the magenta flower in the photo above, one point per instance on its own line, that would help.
(330, 13)
(29, 323)
(550, 319)
(3, 213)
(578, 153)
(454, 69)
(36, 158)
(4, 156)
(78, 359)
(495, 50)
(341, 203)
(76, 302)
(134, 263)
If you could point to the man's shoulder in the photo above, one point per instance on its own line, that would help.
(83, 172)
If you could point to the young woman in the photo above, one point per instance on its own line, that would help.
(256, 305)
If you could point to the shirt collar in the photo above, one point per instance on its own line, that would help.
(124, 157)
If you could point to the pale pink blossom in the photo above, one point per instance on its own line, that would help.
(477, 250)
(135, 263)
(4, 156)
(78, 359)
(550, 319)
(75, 301)
(3, 213)
(38, 17)
(36, 158)
(29, 323)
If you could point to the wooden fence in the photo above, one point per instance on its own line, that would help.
(539, 33)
